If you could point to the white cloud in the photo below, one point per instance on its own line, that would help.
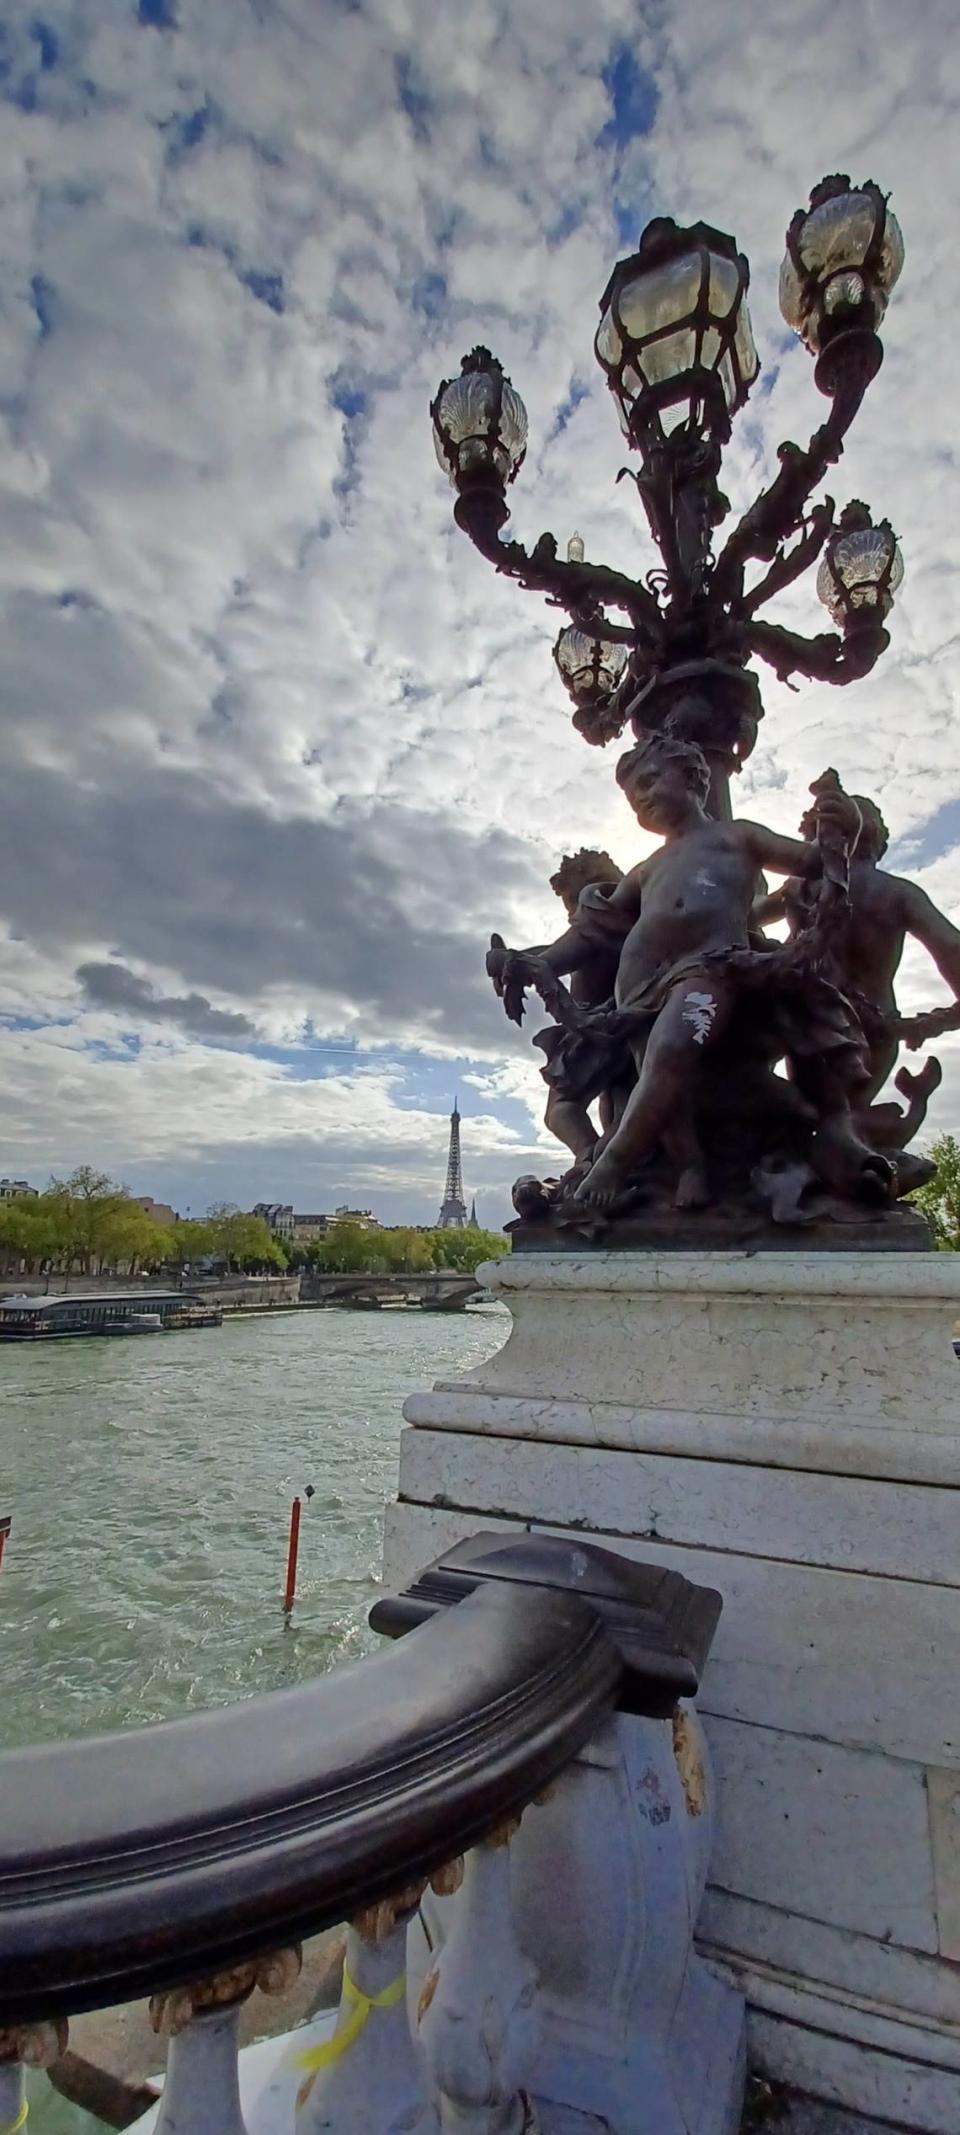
(290, 744)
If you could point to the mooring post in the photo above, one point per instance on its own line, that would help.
(292, 1554)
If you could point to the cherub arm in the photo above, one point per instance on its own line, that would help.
(600, 922)
(837, 817)
(767, 910)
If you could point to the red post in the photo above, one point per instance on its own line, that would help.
(292, 1553)
(5, 1524)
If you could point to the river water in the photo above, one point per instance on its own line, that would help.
(150, 1481)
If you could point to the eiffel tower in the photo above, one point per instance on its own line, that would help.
(453, 1214)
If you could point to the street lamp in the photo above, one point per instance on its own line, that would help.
(479, 425)
(844, 254)
(676, 346)
(861, 569)
(674, 337)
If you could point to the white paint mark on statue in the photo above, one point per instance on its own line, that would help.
(699, 1010)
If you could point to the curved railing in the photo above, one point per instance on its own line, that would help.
(187, 1861)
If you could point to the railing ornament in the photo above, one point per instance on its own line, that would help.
(479, 2012)
(371, 2073)
(24, 2046)
(201, 2094)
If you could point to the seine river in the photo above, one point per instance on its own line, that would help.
(150, 1482)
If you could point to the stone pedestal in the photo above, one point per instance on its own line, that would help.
(785, 1428)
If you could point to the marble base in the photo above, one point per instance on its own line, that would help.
(787, 1429)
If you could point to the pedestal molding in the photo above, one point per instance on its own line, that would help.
(875, 1450)
(917, 1277)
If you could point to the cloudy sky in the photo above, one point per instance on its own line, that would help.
(279, 748)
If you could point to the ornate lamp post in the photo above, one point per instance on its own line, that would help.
(676, 345)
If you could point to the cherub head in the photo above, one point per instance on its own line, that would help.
(663, 779)
(576, 870)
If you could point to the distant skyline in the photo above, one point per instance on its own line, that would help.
(279, 750)
(392, 1197)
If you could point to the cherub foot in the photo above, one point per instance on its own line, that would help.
(602, 1185)
(692, 1188)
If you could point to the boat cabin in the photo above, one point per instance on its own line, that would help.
(112, 1312)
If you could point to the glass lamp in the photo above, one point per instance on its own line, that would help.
(844, 255)
(861, 569)
(479, 423)
(590, 667)
(674, 337)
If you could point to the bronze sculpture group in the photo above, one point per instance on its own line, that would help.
(728, 1068)
(707, 1078)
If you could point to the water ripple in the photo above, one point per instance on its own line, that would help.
(150, 1484)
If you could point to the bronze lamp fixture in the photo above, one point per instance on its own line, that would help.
(676, 346)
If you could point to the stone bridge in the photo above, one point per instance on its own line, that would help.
(447, 1292)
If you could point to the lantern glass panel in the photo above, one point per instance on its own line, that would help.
(843, 290)
(608, 344)
(839, 233)
(657, 298)
(670, 357)
(744, 348)
(724, 284)
(513, 423)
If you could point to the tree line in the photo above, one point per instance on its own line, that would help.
(88, 1224)
(350, 1249)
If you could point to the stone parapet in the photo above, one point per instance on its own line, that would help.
(785, 1428)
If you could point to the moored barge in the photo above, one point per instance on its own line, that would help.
(111, 1312)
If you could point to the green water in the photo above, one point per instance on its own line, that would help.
(150, 1482)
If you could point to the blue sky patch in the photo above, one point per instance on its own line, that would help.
(576, 394)
(266, 287)
(44, 303)
(158, 14)
(350, 399)
(48, 42)
(634, 96)
(429, 295)
(937, 836)
(187, 130)
(413, 96)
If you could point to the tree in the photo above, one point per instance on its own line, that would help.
(33, 1230)
(88, 1204)
(464, 1250)
(349, 1249)
(243, 1241)
(130, 1239)
(407, 1252)
(940, 1201)
(187, 1241)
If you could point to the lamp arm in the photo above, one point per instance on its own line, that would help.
(825, 658)
(778, 511)
(578, 587)
(791, 563)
